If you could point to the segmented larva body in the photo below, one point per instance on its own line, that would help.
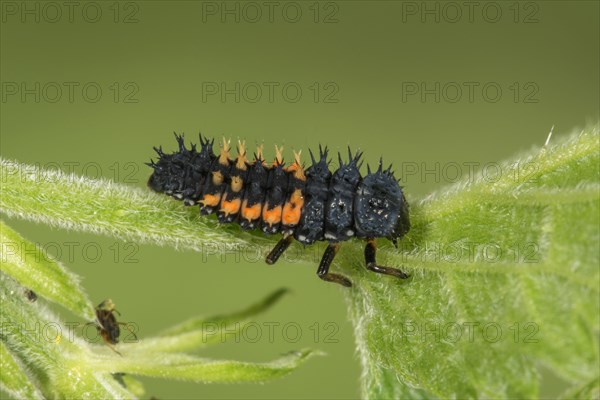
(309, 204)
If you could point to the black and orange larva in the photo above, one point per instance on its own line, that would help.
(308, 205)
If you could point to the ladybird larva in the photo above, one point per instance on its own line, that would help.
(308, 205)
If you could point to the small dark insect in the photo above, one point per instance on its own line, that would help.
(107, 324)
(307, 205)
(31, 295)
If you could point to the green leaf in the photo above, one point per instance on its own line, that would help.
(14, 377)
(25, 262)
(101, 206)
(199, 332)
(505, 278)
(195, 369)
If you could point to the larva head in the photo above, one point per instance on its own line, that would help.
(162, 177)
(169, 170)
(380, 209)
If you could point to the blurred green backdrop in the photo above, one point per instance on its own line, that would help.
(437, 88)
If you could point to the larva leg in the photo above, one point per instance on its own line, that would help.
(279, 249)
(370, 251)
(323, 271)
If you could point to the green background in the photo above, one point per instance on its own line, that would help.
(154, 60)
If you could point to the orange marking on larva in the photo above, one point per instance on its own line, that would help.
(272, 216)
(231, 206)
(251, 213)
(217, 178)
(292, 210)
(210, 200)
(237, 183)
